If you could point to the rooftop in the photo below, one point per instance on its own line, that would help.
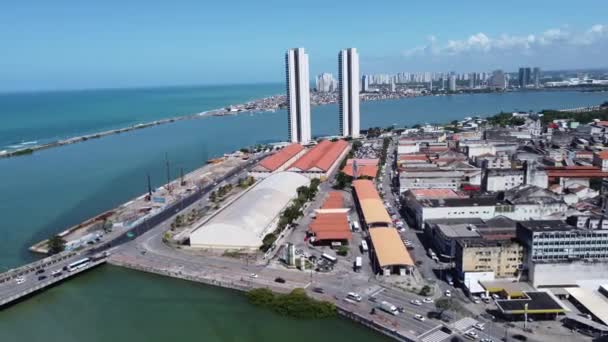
(389, 248)
(593, 302)
(321, 157)
(334, 200)
(537, 303)
(331, 226)
(365, 167)
(273, 162)
(434, 193)
(461, 202)
(546, 225)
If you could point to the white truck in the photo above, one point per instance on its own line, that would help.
(358, 263)
(388, 307)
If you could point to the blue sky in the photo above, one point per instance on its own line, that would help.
(64, 44)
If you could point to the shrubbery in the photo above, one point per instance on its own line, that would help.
(295, 304)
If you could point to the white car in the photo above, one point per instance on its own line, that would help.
(427, 300)
(20, 280)
(353, 296)
(253, 275)
(419, 317)
(416, 302)
(476, 300)
(478, 326)
(471, 334)
(448, 293)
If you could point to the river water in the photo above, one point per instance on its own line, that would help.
(52, 189)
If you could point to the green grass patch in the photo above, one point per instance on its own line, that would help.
(296, 304)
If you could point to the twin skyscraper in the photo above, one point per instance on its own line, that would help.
(298, 94)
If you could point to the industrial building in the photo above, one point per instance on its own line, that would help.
(278, 162)
(369, 205)
(361, 168)
(389, 253)
(243, 223)
(321, 160)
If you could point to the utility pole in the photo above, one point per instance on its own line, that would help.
(168, 169)
(149, 188)
(181, 172)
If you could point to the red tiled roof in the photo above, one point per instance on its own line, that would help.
(335, 200)
(322, 156)
(273, 162)
(603, 155)
(365, 189)
(434, 193)
(413, 157)
(365, 167)
(601, 123)
(331, 226)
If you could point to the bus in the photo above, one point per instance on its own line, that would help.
(329, 257)
(364, 247)
(76, 265)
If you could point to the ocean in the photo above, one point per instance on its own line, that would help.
(50, 190)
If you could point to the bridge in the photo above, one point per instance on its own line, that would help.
(28, 279)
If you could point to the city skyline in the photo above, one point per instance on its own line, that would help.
(115, 49)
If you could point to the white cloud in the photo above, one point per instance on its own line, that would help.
(481, 43)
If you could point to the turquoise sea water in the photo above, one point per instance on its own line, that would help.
(52, 189)
(48, 116)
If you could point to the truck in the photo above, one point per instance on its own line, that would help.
(358, 263)
(388, 307)
(364, 247)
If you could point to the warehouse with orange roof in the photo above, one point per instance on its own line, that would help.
(362, 167)
(321, 160)
(279, 161)
(389, 255)
(369, 205)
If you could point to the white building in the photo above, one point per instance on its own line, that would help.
(298, 95)
(243, 223)
(501, 180)
(452, 83)
(348, 78)
(326, 83)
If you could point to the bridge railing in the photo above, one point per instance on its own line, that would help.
(50, 281)
(34, 266)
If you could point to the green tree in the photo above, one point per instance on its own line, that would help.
(213, 196)
(342, 250)
(425, 290)
(444, 304)
(56, 244)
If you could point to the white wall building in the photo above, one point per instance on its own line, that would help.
(348, 84)
(298, 95)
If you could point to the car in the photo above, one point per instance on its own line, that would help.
(448, 293)
(520, 337)
(253, 275)
(479, 326)
(495, 296)
(400, 309)
(427, 300)
(318, 290)
(419, 317)
(485, 339)
(40, 271)
(20, 280)
(471, 334)
(353, 296)
(42, 277)
(279, 280)
(476, 299)
(416, 302)
(56, 273)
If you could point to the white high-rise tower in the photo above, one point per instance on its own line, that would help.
(298, 95)
(348, 90)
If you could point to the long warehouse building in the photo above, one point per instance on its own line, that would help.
(243, 223)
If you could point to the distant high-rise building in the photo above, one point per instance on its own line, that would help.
(498, 80)
(365, 83)
(325, 83)
(393, 86)
(536, 76)
(452, 83)
(524, 77)
(298, 95)
(348, 84)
